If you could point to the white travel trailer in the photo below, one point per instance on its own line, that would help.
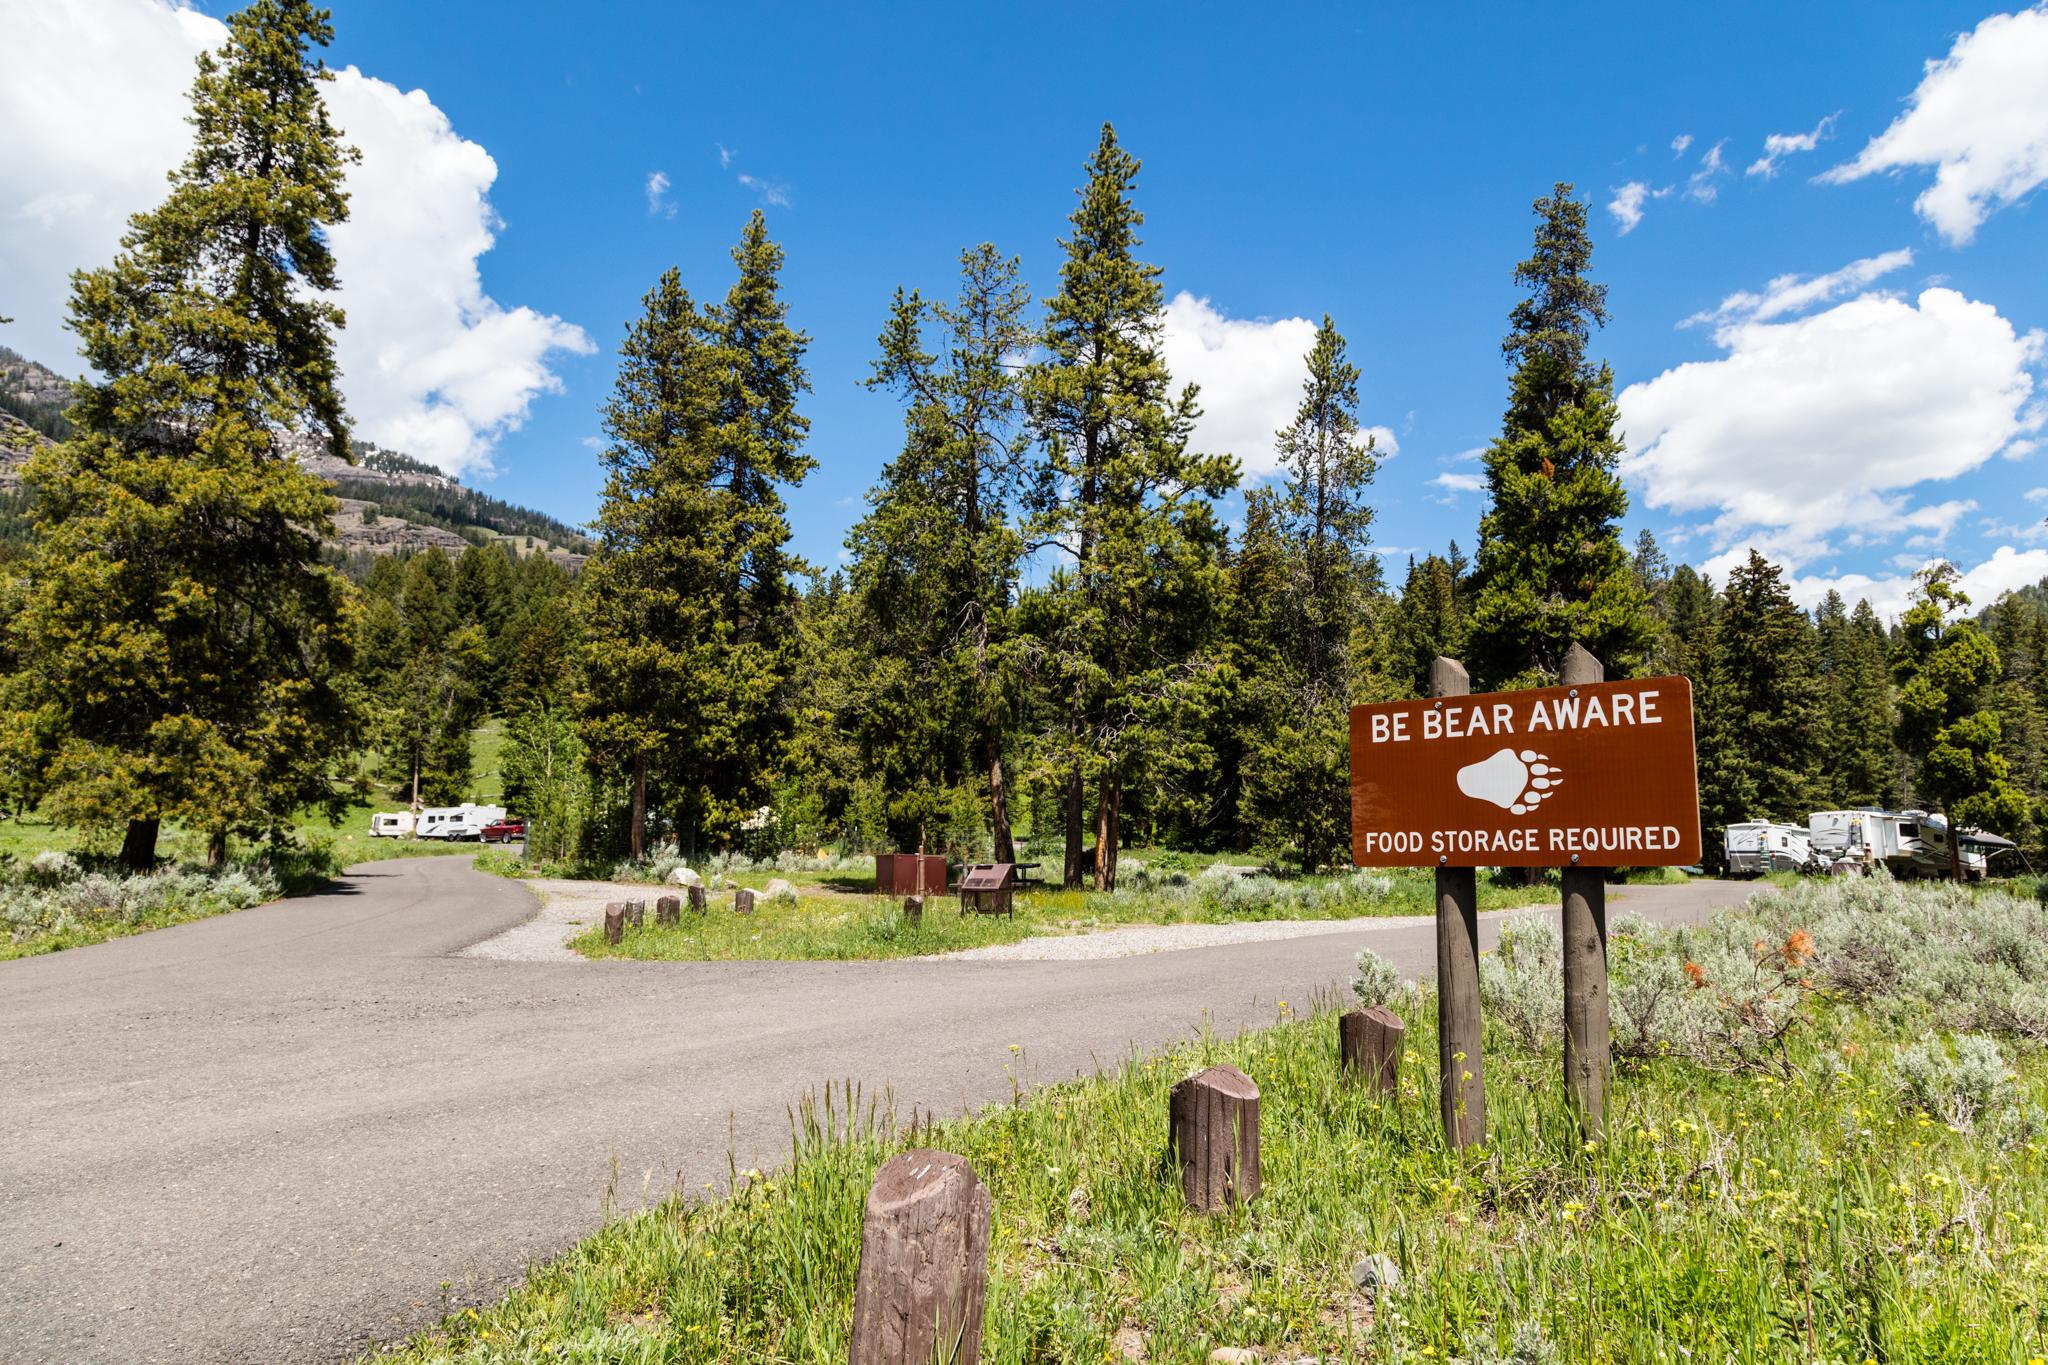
(465, 821)
(1854, 840)
(1758, 846)
(397, 825)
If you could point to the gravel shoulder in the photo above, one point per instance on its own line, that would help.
(1135, 940)
(566, 909)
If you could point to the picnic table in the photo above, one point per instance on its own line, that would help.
(1027, 874)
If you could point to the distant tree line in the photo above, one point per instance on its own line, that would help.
(1045, 641)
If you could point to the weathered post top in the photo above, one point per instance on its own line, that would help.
(919, 1292)
(1448, 678)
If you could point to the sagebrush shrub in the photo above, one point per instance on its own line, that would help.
(1377, 982)
(1528, 1346)
(1958, 1087)
(49, 901)
(1521, 983)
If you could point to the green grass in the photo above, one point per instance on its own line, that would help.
(32, 833)
(1728, 1218)
(843, 926)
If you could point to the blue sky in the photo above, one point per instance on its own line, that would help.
(1296, 160)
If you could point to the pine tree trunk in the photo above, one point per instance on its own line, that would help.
(138, 847)
(1107, 830)
(217, 849)
(999, 804)
(639, 833)
(1074, 828)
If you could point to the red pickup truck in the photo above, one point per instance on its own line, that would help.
(503, 831)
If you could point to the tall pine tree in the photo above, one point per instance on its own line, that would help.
(689, 615)
(1947, 670)
(935, 562)
(1760, 703)
(189, 650)
(651, 622)
(1857, 766)
(1297, 765)
(1552, 568)
(1120, 492)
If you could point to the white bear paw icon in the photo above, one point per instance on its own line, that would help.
(1517, 783)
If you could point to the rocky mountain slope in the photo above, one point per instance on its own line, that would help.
(390, 502)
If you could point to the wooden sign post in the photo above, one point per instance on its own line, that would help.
(1461, 1089)
(1584, 944)
(1583, 776)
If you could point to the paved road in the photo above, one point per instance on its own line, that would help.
(273, 1135)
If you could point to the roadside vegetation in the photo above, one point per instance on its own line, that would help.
(54, 901)
(1827, 1143)
(827, 909)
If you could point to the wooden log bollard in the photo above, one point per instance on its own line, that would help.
(913, 907)
(614, 922)
(699, 902)
(918, 1295)
(1586, 1037)
(636, 914)
(1369, 1046)
(1462, 1088)
(743, 902)
(1213, 1122)
(668, 910)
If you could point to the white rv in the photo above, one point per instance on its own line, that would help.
(1854, 840)
(1925, 848)
(398, 825)
(465, 821)
(1758, 846)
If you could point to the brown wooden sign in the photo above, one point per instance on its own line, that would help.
(1599, 775)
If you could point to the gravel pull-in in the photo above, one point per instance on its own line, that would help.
(1133, 940)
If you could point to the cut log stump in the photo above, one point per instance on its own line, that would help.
(636, 914)
(699, 902)
(1369, 1046)
(1214, 1119)
(614, 921)
(923, 1263)
(743, 902)
(668, 910)
(913, 907)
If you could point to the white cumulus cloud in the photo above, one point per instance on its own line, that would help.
(1817, 429)
(1979, 117)
(1796, 293)
(1250, 371)
(1889, 594)
(1680, 143)
(93, 95)
(1778, 146)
